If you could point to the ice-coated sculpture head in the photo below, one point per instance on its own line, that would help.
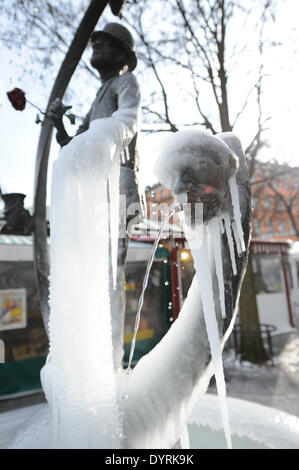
(197, 164)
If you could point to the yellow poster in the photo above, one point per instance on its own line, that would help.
(13, 311)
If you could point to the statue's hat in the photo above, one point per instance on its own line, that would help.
(120, 36)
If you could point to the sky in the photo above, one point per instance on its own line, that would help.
(19, 134)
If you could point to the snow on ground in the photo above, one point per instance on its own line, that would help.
(272, 385)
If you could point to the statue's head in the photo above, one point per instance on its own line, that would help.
(113, 46)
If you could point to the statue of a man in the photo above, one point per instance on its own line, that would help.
(114, 57)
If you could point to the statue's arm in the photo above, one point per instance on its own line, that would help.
(55, 113)
(128, 105)
(85, 124)
(167, 377)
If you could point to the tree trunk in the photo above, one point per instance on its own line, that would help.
(252, 348)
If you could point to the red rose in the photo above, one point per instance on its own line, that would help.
(209, 189)
(17, 99)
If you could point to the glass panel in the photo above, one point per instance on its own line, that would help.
(257, 226)
(281, 226)
(267, 274)
(288, 272)
(30, 341)
(187, 270)
(156, 310)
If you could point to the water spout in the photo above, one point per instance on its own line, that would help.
(177, 208)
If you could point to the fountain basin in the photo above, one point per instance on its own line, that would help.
(253, 426)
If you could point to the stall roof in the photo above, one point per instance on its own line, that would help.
(15, 240)
(270, 246)
(28, 240)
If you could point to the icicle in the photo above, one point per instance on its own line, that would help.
(236, 209)
(226, 218)
(236, 238)
(221, 224)
(204, 277)
(214, 231)
(114, 215)
(80, 361)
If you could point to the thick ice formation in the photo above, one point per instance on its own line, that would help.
(91, 404)
(79, 378)
(239, 235)
(228, 231)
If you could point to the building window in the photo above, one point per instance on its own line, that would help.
(267, 274)
(270, 227)
(287, 184)
(279, 204)
(255, 202)
(268, 202)
(276, 183)
(257, 226)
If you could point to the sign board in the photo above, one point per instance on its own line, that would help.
(13, 309)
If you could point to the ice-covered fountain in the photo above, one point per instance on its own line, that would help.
(91, 402)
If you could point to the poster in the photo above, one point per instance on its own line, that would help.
(13, 311)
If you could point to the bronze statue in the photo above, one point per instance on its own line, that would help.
(114, 57)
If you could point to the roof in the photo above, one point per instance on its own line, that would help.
(15, 240)
(28, 240)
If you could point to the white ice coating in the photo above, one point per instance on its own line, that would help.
(215, 231)
(181, 153)
(114, 197)
(228, 231)
(202, 266)
(236, 238)
(191, 143)
(262, 424)
(144, 285)
(79, 378)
